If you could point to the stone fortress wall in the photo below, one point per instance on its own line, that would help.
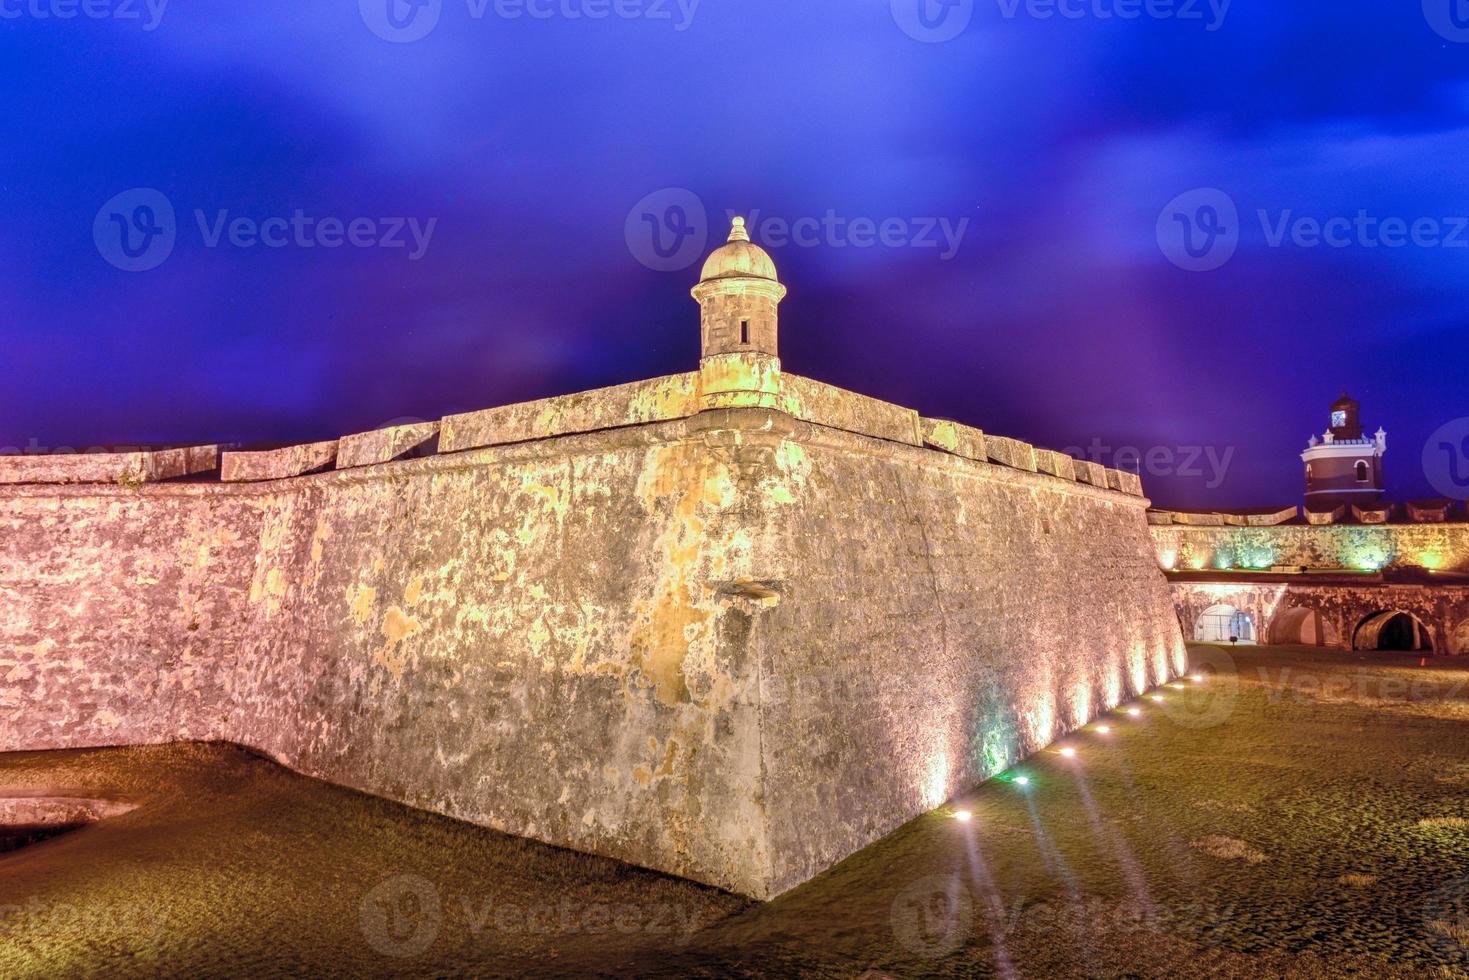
(733, 625)
(581, 636)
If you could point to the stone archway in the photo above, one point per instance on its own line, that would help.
(1393, 629)
(1219, 623)
(1301, 626)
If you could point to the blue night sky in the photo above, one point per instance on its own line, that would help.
(526, 150)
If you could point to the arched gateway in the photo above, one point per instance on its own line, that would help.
(1393, 629)
(1223, 623)
(1303, 626)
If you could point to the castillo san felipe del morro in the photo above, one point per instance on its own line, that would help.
(733, 624)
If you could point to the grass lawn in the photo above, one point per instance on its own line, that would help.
(1298, 813)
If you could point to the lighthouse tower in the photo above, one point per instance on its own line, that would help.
(1342, 467)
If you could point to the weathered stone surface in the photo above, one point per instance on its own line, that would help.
(57, 811)
(1235, 518)
(657, 400)
(474, 634)
(1333, 516)
(1056, 464)
(951, 437)
(1199, 520)
(837, 408)
(386, 445)
(123, 612)
(747, 379)
(119, 468)
(943, 581)
(1092, 474)
(1429, 511)
(278, 464)
(1125, 482)
(659, 642)
(1010, 452)
(1374, 514)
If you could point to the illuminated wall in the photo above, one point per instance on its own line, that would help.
(735, 645)
(1442, 547)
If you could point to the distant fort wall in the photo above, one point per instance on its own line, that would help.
(1328, 585)
(734, 644)
(1361, 547)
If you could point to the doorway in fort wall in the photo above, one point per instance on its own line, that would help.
(1302, 626)
(1393, 629)
(1224, 623)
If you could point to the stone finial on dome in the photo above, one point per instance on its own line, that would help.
(739, 258)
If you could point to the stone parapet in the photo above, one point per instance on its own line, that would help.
(656, 400)
(119, 468)
(1092, 474)
(1011, 452)
(1429, 511)
(1125, 482)
(951, 437)
(1200, 520)
(386, 445)
(1223, 518)
(837, 408)
(1372, 513)
(277, 464)
(1056, 464)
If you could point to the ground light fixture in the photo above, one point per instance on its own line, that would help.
(1134, 712)
(1022, 780)
(963, 816)
(1068, 752)
(1104, 729)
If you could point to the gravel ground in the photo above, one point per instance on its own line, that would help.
(1299, 813)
